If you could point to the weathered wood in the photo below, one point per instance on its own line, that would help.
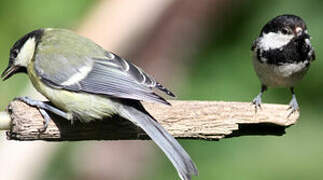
(184, 119)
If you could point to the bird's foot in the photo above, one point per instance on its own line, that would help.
(257, 102)
(293, 106)
(46, 120)
(41, 107)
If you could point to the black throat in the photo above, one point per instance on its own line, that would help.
(297, 50)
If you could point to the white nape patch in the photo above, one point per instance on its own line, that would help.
(26, 52)
(77, 77)
(273, 40)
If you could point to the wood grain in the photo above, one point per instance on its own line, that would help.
(208, 120)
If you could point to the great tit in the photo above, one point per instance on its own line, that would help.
(84, 82)
(282, 54)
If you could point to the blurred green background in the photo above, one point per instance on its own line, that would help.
(221, 69)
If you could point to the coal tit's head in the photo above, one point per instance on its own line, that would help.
(285, 25)
(284, 39)
(281, 30)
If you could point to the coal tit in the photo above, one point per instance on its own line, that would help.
(282, 55)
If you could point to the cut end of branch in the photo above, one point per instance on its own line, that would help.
(5, 120)
(184, 119)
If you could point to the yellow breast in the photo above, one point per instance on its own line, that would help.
(86, 106)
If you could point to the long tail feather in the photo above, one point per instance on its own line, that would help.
(167, 143)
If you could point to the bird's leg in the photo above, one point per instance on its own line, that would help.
(257, 100)
(42, 106)
(293, 105)
(46, 119)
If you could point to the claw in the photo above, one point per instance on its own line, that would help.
(46, 120)
(43, 108)
(40, 106)
(293, 106)
(257, 102)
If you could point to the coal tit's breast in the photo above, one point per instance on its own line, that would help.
(285, 75)
(296, 51)
(284, 66)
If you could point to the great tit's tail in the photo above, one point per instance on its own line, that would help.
(183, 163)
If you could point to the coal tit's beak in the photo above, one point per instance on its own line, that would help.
(9, 71)
(300, 33)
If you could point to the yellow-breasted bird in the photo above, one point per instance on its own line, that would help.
(84, 82)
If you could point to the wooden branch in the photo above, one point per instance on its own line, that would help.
(184, 119)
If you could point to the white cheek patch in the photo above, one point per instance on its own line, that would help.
(274, 40)
(77, 77)
(26, 52)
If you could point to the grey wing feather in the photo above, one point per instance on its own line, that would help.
(121, 79)
(140, 75)
(110, 75)
(167, 143)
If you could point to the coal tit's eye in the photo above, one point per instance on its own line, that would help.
(285, 31)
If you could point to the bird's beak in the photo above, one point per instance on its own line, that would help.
(300, 33)
(9, 71)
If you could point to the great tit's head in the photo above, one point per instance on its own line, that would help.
(281, 30)
(21, 53)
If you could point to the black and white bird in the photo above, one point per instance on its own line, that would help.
(282, 55)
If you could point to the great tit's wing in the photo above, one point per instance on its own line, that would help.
(106, 75)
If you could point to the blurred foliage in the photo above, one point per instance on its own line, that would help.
(223, 71)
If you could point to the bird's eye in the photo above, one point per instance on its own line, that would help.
(285, 31)
(14, 53)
